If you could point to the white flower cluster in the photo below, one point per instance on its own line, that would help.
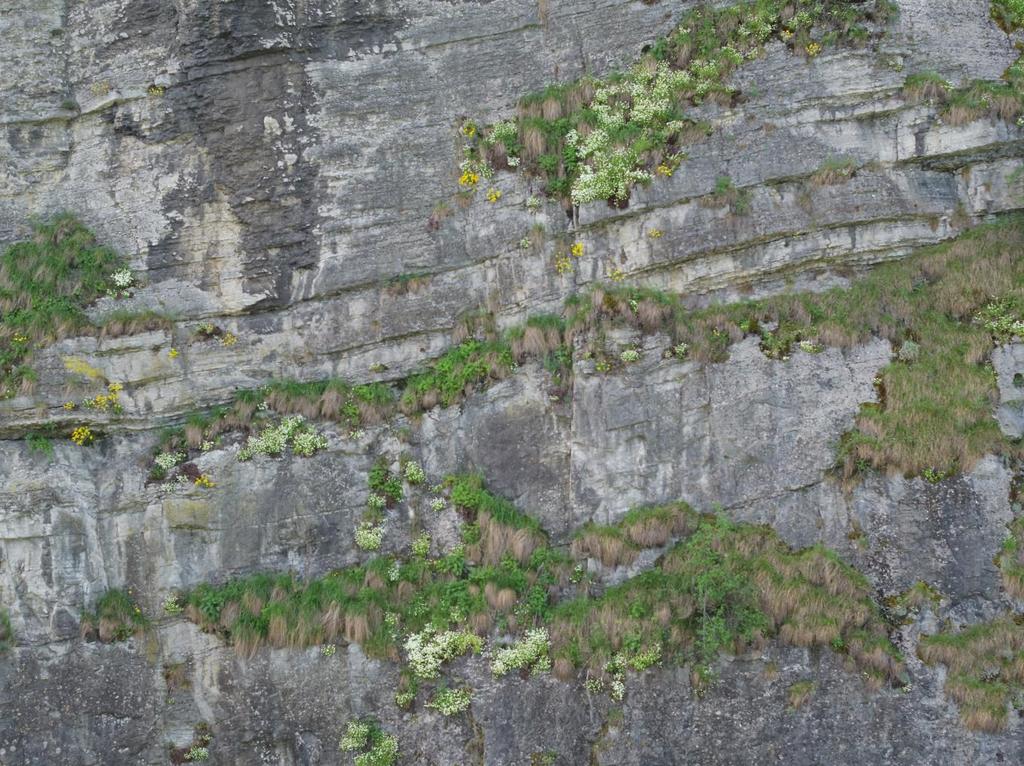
(450, 701)
(357, 736)
(307, 443)
(643, 99)
(438, 504)
(274, 439)
(369, 536)
(165, 461)
(414, 473)
(530, 652)
(428, 650)
(630, 355)
(123, 280)
(197, 753)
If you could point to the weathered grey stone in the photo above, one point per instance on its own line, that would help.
(271, 167)
(1008, 362)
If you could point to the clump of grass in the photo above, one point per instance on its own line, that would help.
(606, 544)
(799, 693)
(121, 323)
(457, 373)
(6, 632)
(1008, 14)
(1011, 560)
(834, 170)
(504, 530)
(926, 86)
(116, 617)
(985, 669)
(46, 284)
(646, 527)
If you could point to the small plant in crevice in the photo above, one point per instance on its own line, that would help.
(369, 744)
(799, 693)
(1010, 560)
(116, 617)
(197, 751)
(834, 170)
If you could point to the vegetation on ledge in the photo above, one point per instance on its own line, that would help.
(595, 139)
(943, 309)
(985, 669)
(723, 587)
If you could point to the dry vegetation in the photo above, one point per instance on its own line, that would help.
(985, 669)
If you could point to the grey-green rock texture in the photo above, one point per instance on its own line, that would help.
(278, 181)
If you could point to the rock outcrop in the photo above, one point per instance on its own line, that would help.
(271, 167)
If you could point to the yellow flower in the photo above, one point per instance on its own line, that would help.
(173, 353)
(813, 49)
(82, 436)
(115, 387)
(19, 338)
(576, 249)
(469, 129)
(494, 195)
(655, 233)
(468, 178)
(69, 405)
(616, 274)
(665, 170)
(562, 264)
(228, 339)
(785, 34)
(204, 481)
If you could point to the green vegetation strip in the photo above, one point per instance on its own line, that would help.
(724, 587)
(943, 309)
(595, 139)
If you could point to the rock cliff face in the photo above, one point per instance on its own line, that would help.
(270, 167)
